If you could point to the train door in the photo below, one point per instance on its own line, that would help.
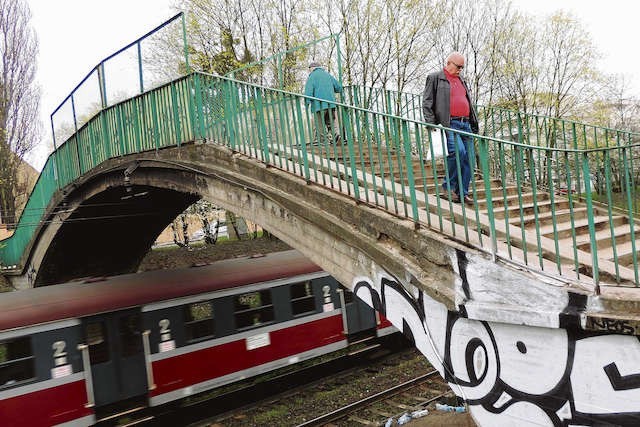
(360, 317)
(116, 355)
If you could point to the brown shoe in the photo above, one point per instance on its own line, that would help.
(468, 200)
(454, 196)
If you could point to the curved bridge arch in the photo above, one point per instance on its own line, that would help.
(326, 226)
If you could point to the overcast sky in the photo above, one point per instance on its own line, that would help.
(75, 35)
(613, 25)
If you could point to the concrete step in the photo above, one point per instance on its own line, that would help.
(623, 250)
(546, 218)
(497, 190)
(514, 200)
(604, 238)
(581, 226)
(530, 208)
(496, 187)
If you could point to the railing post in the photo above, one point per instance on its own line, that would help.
(176, 115)
(303, 145)
(230, 112)
(348, 127)
(575, 146)
(264, 143)
(75, 138)
(54, 156)
(140, 75)
(339, 58)
(184, 43)
(197, 110)
(592, 230)
(106, 140)
(483, 152)
(155, 120)
(410, 175)
(103, 85)
(630, 202)
(280, 73)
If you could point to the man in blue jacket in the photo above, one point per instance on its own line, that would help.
(320, 84)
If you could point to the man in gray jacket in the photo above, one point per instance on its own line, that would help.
(446, 100)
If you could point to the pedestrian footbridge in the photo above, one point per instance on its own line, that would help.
(527, 300)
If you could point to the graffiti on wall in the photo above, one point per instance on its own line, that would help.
(518, 375)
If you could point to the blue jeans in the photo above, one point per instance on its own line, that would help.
(466, 155)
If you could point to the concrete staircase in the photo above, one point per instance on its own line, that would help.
(523, 218)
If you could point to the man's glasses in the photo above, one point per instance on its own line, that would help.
(459, 67)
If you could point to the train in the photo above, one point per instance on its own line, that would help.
(83, 352)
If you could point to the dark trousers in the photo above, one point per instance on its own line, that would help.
(327, 124)
(460, 152)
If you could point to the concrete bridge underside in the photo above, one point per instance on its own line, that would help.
(521, 348)
(105, 224)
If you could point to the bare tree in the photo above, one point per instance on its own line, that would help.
(514, 60)
(19, 100)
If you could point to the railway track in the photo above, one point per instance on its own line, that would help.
(375, 410)
(331, 392)
(204, 409)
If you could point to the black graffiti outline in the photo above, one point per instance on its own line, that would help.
(550, 402)
(621, 382)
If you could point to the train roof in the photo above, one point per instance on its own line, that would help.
(78, 299)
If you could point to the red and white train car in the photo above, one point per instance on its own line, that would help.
(75, 353)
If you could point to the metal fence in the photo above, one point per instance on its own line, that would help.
(534, 204)
(155, 58)
(158, 57)
(288, 70)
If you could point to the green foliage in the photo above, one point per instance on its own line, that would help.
(272, 416)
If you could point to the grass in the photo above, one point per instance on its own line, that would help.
(618, 200)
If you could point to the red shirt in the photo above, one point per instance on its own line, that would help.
(458, 102)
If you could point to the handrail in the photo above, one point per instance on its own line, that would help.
(496, 108)
(100, 86)
(116, 53)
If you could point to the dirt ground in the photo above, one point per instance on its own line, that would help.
(443, 419)
(171, 257)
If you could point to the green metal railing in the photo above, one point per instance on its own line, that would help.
(288, 70)
(159, 56)
(138, 125)
(562, 161)
(163, 117)
(534, 204)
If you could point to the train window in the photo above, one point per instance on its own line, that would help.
(130, 337)
(253, 309)
(97, 342)
(302, 299)
(16, 361)
(199, 321)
